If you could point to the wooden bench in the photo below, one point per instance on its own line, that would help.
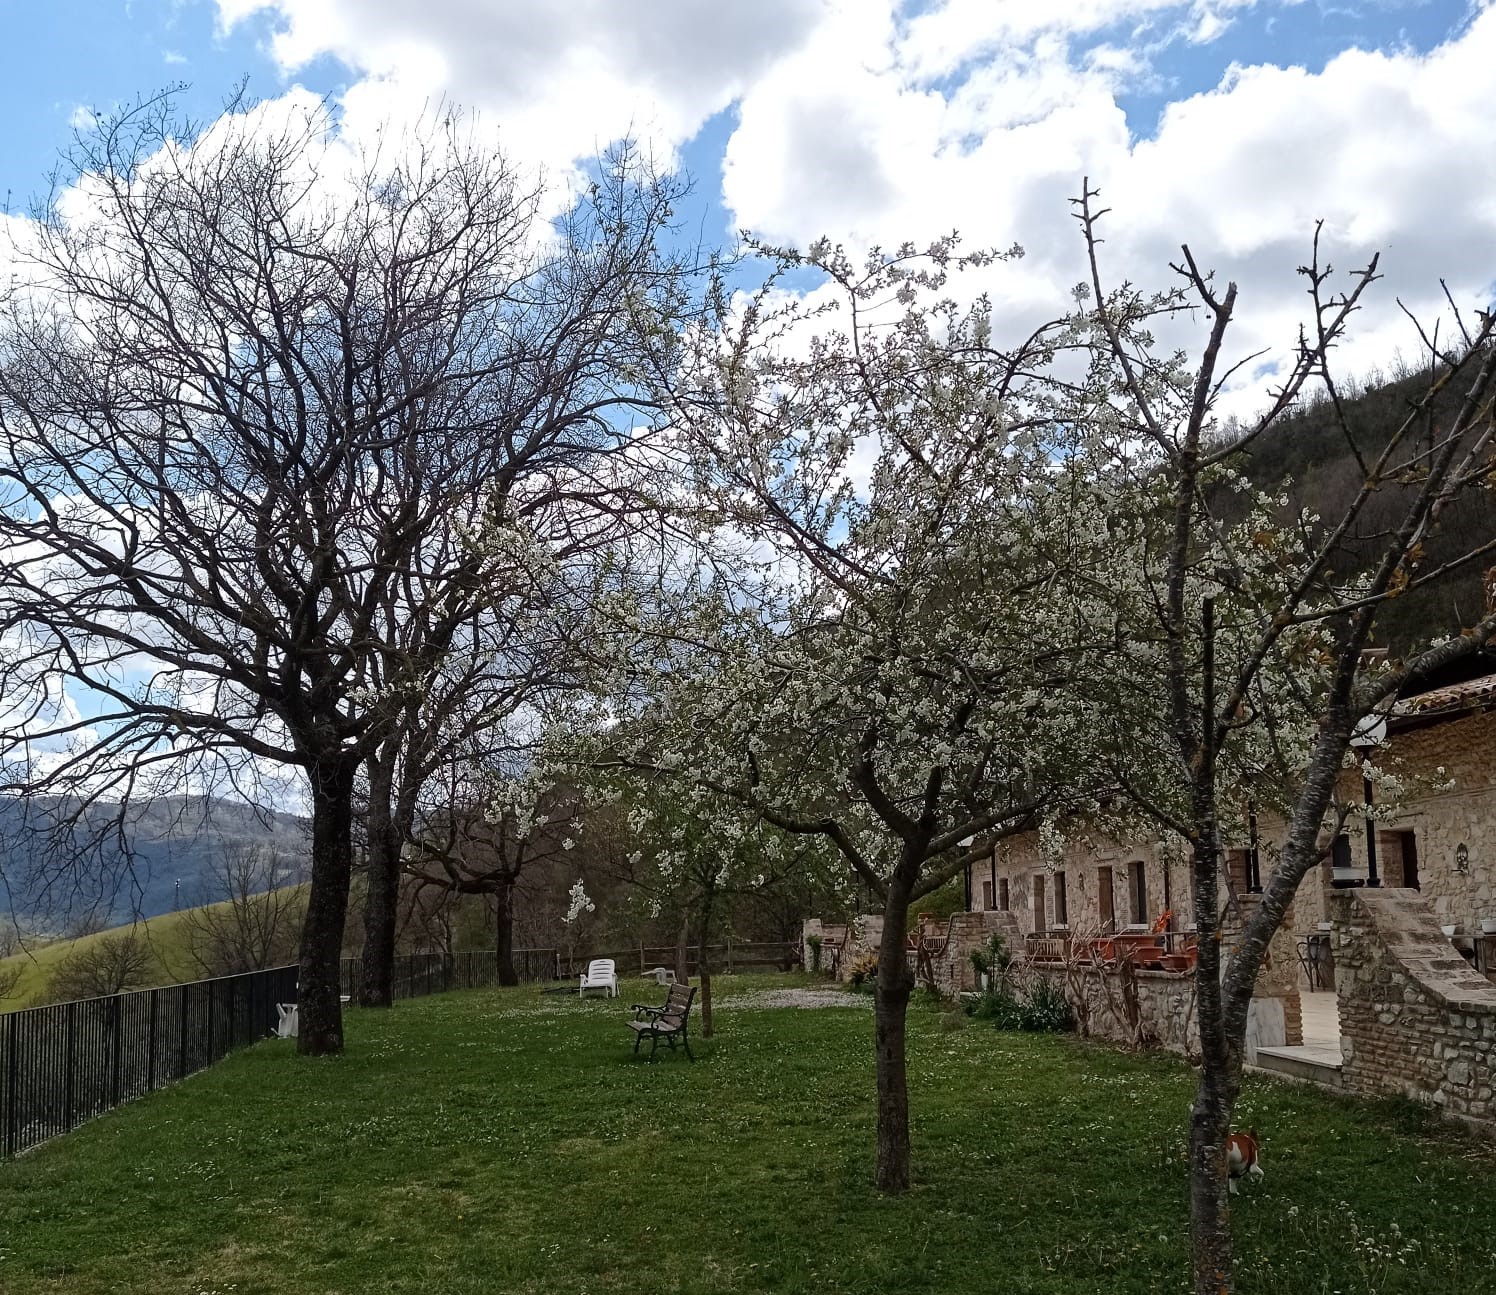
(667, 1022)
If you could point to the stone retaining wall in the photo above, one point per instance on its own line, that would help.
(1166, 1009)
(1414, 1017)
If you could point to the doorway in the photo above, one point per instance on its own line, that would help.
(1106, 899)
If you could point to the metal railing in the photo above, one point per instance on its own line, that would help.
(66, 1063)
(69, 1062)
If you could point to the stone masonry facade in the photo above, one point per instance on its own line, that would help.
(1414, 1018)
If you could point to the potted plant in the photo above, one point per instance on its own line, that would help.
(1488, 926)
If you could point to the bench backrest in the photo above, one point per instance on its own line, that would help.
(600, 969)
(677, 1003)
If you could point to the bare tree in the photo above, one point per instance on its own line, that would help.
(486, 848)
(248, 912)
(1262, 627)
(250, 390)
(107, 964)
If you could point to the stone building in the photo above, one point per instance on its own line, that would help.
(1381, 979)
(1442, 844)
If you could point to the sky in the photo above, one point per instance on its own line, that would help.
(1230, 125)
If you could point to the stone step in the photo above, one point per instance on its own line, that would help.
(1317, 1065)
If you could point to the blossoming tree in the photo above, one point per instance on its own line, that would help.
(1244, 665)
(906, 563)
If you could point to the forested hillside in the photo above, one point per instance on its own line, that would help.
(1309, 456)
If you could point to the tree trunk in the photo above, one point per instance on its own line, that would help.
(320, 1031)
(504, 933)
(704, 964)
(377, 972)
(1210, 1213)
(1220, 1055)
(894, 985)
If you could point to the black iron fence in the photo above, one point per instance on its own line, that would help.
(66, 1063)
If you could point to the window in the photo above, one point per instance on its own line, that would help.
(1002, 894)
(1037, 913)
(1105, 899)
(1138, 877)
(1061, 904)
(986, 894)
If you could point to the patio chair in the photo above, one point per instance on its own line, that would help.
(600, 974)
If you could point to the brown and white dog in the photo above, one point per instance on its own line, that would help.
(1241, 1158)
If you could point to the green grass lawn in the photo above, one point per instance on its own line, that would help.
(501, 1141)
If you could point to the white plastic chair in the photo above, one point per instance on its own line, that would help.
(600, 974)
(290, 1020)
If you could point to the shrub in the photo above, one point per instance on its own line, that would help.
(864, 972)
(814, 942)
(1043, 1009)
(993, 956)
(1047, 1009)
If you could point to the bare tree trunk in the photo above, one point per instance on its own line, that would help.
(377, 970)
(894, 985)
(504, 933)
(1210, 1214)
(318, 990)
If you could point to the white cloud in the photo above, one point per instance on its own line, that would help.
(564, 80)
(1385, 148)
(874, 120)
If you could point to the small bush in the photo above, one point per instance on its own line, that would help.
(1042, 1010)
(1047, 1010)
(814, 942)
(864, 972)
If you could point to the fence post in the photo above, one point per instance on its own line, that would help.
(12, 1074)
(150, 1034)
(182, 1042)
(117, 1066)
(70, 1060)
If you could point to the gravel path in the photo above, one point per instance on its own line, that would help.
(812, 998)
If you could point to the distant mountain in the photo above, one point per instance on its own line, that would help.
(61, 866)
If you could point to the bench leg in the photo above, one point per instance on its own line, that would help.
(637, 1037)
(686, 1043)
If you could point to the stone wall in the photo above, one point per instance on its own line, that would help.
(952, 940)
(1166, 1009)
(949, 942)
(1414, 1018)
(1460, 883)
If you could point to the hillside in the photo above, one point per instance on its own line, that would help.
(1308, 457)
(165, 939)
(163, 855)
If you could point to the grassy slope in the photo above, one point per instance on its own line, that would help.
(165, 935)
(500, 1141)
